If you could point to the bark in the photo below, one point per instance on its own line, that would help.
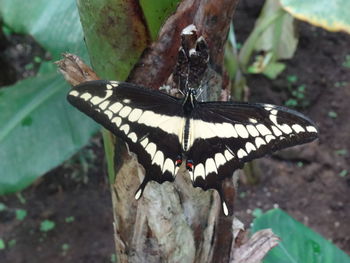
(173, 222)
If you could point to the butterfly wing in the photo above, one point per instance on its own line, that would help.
(150, 122)
(226, 135)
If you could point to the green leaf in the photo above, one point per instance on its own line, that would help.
(292, 78)
(298, 242)
(343, 173)
(12, 243)
(332, 114)
(2, 244)
(346, 62)
(341, 152)
(3, 207)
(115, 36)
(47, 225)
(274, 35)
(272, 70)
(54, 24)
(279, 36)
(156, 12)
(333, 15)
(69, 219)
(39, 130)
(21, 214)
(257, 212)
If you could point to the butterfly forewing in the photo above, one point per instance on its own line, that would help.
(149, 122)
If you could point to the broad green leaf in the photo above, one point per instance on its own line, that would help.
(115, 36)
(299, 243)
(333, 15)
(274, 69)
(39, 130)
(54, 24)
(156, 12)
(279, 37)
(274, 34)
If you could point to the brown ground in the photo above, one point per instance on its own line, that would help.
(305, 181)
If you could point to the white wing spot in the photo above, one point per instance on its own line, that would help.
(74, 93)
(135, 115)
(311, 129)
(144, 142)
(274, 112)
(114, 83)
(268, 138)
(276, 131)
(259, 141)
(168, 166)
(269, 107)
(86, 96)
(241, 153)
(199, 171)
(109, 114)
(109, 86)
(97, 100)
(219, 159)
(124, 111)
(252, 120)
(263, 129)
(125, 128)
(210, 166)
(126, 100)
(249, 147)
(132, 137)
(252, 130)
(242, 131)
(158, 159)
(116, 107)
(297, 128)
(104, 105)
(117, 121)
(151, 149)
(228, 155)
(284, 127)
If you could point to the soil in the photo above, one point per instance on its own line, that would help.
(311, 182)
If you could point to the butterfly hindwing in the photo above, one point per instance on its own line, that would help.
(149, 122)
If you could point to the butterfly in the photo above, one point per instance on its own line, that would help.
(212, 139)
